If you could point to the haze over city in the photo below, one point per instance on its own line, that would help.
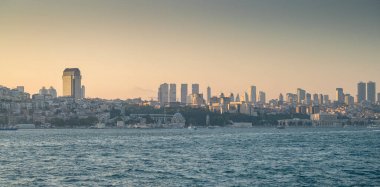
(125, 49)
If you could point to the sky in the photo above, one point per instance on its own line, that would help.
(126, 49)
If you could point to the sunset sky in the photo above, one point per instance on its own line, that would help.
(125, 49)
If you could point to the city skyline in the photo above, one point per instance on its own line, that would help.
(137, 45)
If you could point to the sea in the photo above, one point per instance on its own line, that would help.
(188, 157)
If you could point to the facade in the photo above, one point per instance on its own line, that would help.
(326, 99)
(315, 99)
(371, 92)
(183, 93)
(195, 89)
(378, 97)
(301, 95)
(324, 117)
(172, 93)
(349, 100)
(281, 99)
(163, 94)
(20, 88)
(252, 94)
(72, 83)
(308, 99)
(339, 95)
(262, 97)
(291, 98)
(245, 97)
(83, 92)
(195, 100)
(320, 98)
(361, 92)
(53, 92)
(208, 94)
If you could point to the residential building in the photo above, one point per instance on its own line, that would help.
(371, 92)
(183, 93)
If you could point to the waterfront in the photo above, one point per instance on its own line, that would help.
(182, 157)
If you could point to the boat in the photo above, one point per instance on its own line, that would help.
(280, 127)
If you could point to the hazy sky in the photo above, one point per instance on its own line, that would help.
(127, 48)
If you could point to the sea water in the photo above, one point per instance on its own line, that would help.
(183, 157)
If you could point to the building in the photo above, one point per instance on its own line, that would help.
(83, 92)
(43, 91)
(163, 94)
(237, 99)
(324, 117)
(281, 99)
(378, 97)
(195, 100)
(183, 93)
(262, 97)
(20, 88)
(195, 89)
(172, 93)
(349, 100)
(326, 99)
(361, 92)
(371, 92)
(53, 92)
(72, 83)
(208, 94)
(308, 99)
(252, 94)
(339, 95)
(291, 98)
(315, 99)
(232, 97)
(321, 101)
(301, 95)
(245, 97)
(301, 109)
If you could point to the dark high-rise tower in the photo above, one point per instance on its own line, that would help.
(371, 92)
(361, 92)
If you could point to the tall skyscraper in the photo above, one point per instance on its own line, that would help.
(315, 99)
(301, 95)
(195, 89)
(252, 94)
(262, 97)
(339, 95)
(163, 94)
(320, 99)
(173, 93)
(371, 92)
(378, 97)
(184, 93)
(245, 97)
(72, 86)
(308, 99)
(361, 92)
(326, 99)
(208, 94)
